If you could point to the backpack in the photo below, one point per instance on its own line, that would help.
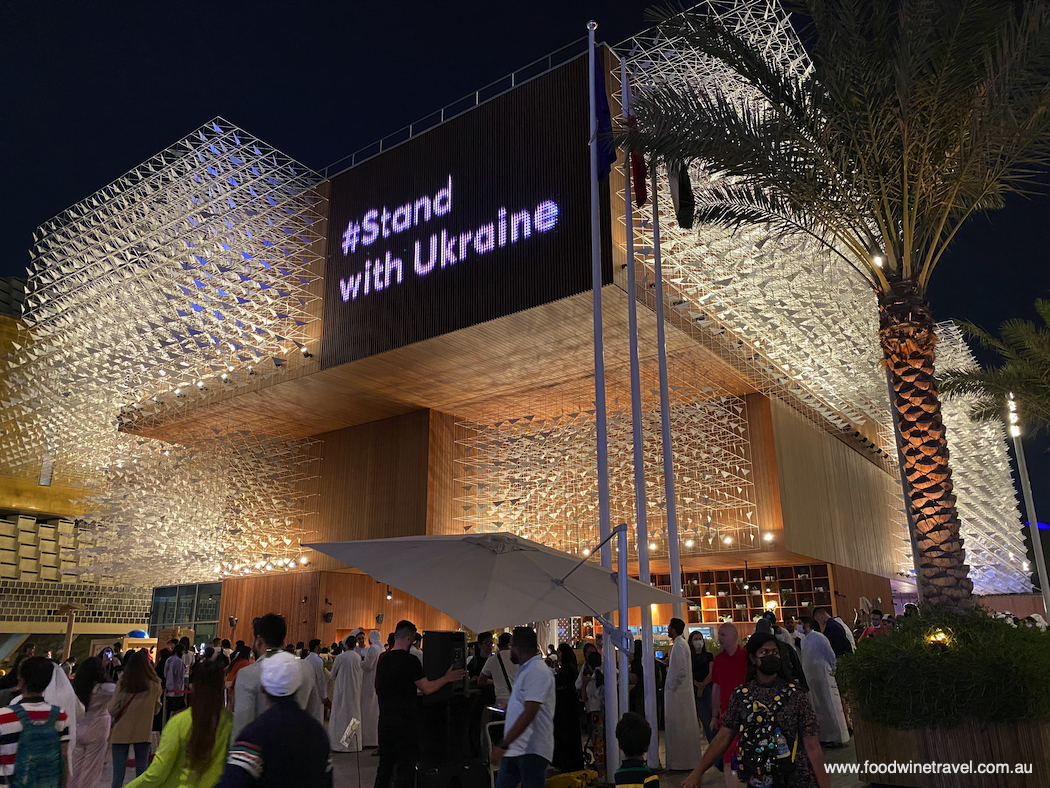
(766, 756)
(38, 760)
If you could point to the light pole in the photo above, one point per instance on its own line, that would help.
(1029, 504)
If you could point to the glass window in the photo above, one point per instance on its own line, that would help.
(208, 596)
(162, 613)
(184, 609)
(203, 634)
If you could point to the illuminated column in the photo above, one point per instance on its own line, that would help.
(1029, 502)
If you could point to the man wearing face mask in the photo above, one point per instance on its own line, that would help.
(768, 708)
(681, 727)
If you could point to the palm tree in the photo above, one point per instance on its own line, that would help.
(913, 116)
(1024, 348)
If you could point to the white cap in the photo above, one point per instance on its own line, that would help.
(282, 674)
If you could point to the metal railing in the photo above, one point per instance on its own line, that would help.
(536, 68)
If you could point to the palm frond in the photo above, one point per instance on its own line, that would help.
(913, 116)
(1024, 371)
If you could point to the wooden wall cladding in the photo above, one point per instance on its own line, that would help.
(355, 601)
(357, 598)
(764, 466)
(247, 598)
(852, 584)
(836, 504)
(373, 483)
(441, 472)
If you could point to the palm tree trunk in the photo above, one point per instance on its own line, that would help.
(906, 333)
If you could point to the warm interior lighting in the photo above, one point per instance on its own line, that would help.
(586, 551)
(388, 594)
(652, 546)
(728, 540)
(688, 542)
(768, 537)
(938, 637)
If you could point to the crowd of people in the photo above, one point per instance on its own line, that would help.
(270, 714)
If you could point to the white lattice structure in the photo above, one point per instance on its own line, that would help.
(535, 475)
(797, 321)
(984, 486)
(194, 270)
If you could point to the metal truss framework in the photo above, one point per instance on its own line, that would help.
(801, 324)
(192, 270)
(991, 520)
(535, 475)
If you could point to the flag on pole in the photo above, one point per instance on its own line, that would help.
(681, 193)
(606, 149)
(639, 172)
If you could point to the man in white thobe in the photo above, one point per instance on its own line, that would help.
(681, 728)
(315, 669)
(369, 700)
(357, 641)
(347, 673)
(818, 662)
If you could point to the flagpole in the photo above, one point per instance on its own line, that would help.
(612, 755)
(665, 413)
(642, 527)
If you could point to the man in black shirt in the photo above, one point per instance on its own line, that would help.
(481, 655)
(398, 675)
(834, 631)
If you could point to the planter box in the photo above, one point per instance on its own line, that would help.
(1026, 743)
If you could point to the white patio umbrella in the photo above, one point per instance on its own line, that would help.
(487, 581)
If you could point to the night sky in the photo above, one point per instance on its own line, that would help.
(92, 89)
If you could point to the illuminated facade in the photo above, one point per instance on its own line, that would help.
(173, 363)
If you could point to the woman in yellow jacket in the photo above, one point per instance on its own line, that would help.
(193, 746)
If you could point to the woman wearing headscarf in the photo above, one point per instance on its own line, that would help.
(369, 700)
(347, 680)
(568, 749)
(702, 687)
(89, 756)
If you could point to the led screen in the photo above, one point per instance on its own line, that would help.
(483, 216)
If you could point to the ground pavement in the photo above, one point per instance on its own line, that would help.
(354, 770)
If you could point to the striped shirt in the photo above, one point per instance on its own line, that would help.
(635, 773)
(11, 729)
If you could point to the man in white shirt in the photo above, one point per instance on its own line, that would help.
(315, 667)
(528, 739)
(499, 671)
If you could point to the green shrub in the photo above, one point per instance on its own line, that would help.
(981, 669)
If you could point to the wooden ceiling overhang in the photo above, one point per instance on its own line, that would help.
(508, 360)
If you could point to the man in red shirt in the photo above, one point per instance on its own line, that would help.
(876, 628)
(728, 671)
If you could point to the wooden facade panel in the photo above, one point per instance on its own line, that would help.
(373, 482)
(764, 466)
(355, 601)
(441, 472)
(247, 598)
(836, 505)
(852, 584)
